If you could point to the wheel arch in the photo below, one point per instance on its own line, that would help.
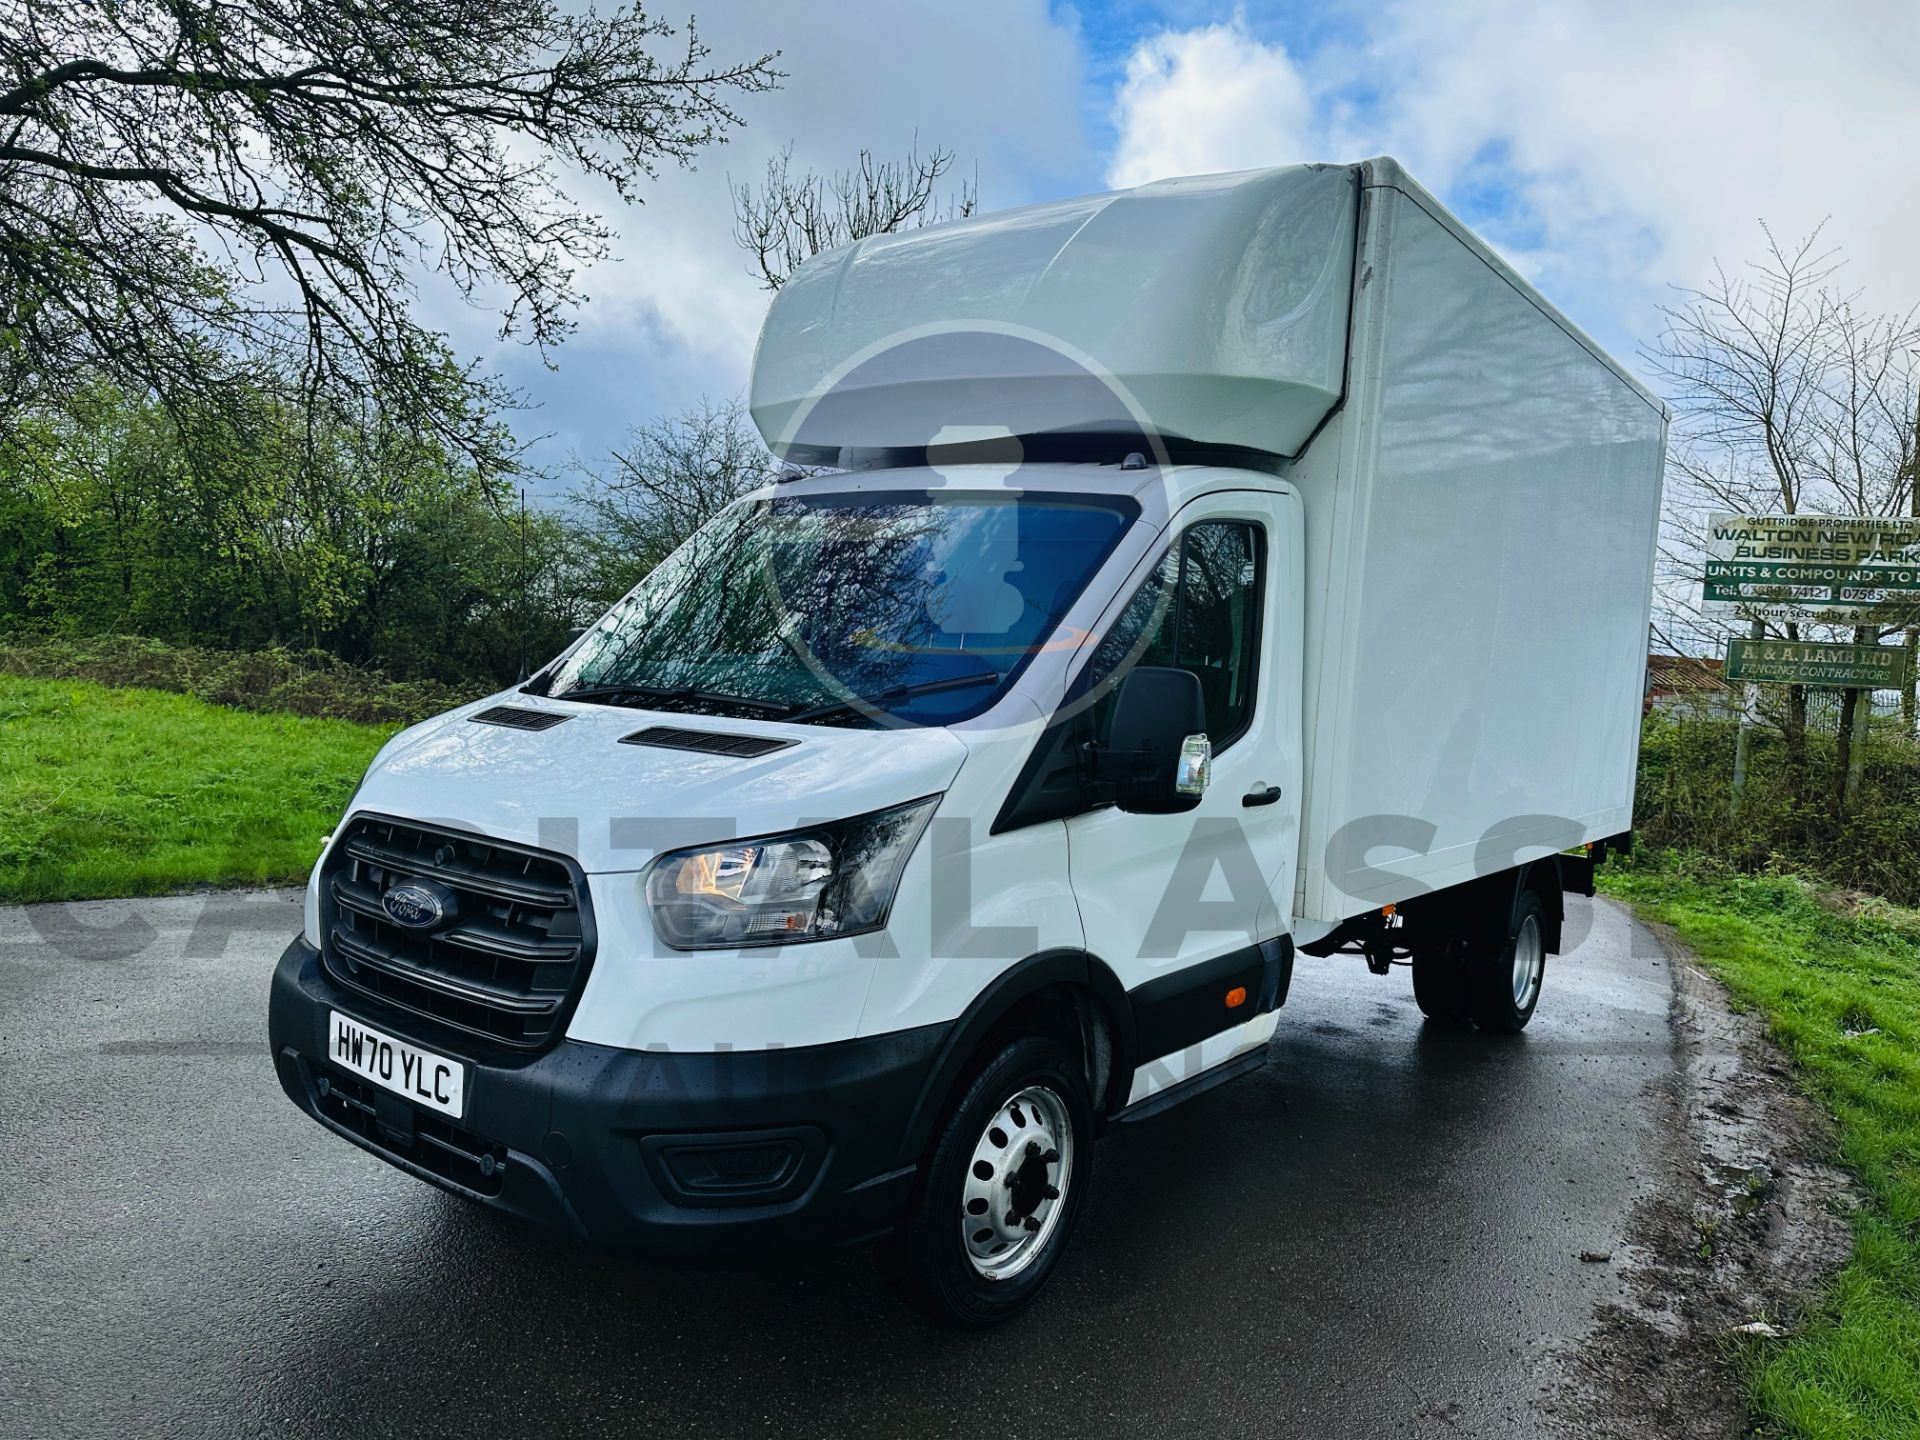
(1544, 878)
(1488, 902)
(1067, 981)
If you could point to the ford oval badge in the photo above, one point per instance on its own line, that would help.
(417, 904)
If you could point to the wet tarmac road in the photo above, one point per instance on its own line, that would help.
(1377, 1234)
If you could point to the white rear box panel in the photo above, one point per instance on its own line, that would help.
(1481, 519)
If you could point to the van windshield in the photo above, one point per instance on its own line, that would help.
(912, 607)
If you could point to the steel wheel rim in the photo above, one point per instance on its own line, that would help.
(1016, 1183)
(1529, 961)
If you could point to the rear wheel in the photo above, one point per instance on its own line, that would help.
(1002, 1190)
(1505, 984)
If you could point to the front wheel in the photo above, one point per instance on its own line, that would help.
(1003, 1188)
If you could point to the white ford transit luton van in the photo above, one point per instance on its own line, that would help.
(1170, 582)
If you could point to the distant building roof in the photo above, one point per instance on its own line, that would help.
(1688, 682)
(1685, 675)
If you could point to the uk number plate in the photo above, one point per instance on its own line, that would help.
(420, 1075)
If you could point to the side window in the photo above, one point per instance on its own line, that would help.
(1198, 611)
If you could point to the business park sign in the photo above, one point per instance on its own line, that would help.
(1840, 570)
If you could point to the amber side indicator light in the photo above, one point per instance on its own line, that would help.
(1236, 997)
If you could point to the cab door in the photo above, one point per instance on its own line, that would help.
(1189, 909)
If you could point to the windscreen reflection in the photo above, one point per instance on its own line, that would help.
(857, 609)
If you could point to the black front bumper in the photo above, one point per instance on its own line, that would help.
(669, 1154)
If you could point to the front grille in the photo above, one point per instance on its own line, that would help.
(430, 1141)
(709, 742)
(506, 964)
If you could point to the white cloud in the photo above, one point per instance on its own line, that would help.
(1650, 138)
(1200, 101)
(1612, 147)
(673, 314)
(994, 82)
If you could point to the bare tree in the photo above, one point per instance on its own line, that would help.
(677, 473)
(673, 476)
(787, 219)
(1789, 400)
(188, 186)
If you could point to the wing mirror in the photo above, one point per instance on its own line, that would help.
(1157, 756)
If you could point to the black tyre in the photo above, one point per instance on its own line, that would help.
(1504, 984)
(1440, 987)
(1002, 1188)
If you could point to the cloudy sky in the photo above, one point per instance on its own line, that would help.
(1611, 148)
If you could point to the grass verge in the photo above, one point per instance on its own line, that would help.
(136, 792)
(1838, 979)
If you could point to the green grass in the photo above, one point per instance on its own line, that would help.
(1838, 979)
(136, 792)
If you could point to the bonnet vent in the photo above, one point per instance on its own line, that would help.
(707, 742)
(515, 718)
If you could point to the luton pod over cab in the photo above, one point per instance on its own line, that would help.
(1165, 583)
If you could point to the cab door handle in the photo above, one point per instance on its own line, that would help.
(1260, 795)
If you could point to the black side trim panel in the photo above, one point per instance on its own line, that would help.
(1184, 1008)
(1279, 977)
(1156, 1019)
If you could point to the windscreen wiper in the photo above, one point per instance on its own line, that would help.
(615, 694)
(898, 692)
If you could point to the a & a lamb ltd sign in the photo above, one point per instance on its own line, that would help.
(1804, 662)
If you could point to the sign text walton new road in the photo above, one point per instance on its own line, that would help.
(1847, 570)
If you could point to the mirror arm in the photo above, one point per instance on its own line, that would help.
(1103, 765)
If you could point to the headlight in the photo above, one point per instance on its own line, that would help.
(813, 884)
